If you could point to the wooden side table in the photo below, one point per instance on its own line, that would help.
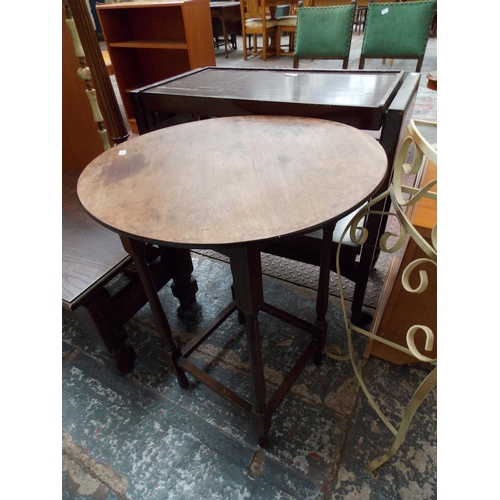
(233, 185)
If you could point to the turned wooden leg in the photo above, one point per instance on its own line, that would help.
(322, 296)
(184, 286)
(248, 293)
(136, 249)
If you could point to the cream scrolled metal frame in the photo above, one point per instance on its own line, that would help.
(401, 196)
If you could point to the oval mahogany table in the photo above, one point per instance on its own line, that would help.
(233, 185)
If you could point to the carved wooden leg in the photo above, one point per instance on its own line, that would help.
(98, 318)
(137, 249)
(248, 293)
(184, 286)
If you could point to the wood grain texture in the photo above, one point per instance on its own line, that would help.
(234, 180)
(92, 255)
(150, 41)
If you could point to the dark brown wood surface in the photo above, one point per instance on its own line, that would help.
(92, 254)
(357, 98)
(92, 257)
(231, 181)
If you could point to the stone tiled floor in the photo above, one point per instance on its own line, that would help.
(139, 436)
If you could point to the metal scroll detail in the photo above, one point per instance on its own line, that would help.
(84, 73)
(402, 197)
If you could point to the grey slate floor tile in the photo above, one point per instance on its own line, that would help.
(170, 443)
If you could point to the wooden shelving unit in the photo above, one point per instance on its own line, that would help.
(149, 41)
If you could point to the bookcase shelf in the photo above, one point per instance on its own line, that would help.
(148, 44)
(149, 41)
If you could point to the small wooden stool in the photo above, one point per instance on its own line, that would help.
(99, 286)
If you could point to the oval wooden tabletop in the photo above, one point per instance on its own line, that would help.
(227, 181)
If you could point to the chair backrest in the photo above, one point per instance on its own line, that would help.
(324, 33)
(294, 5)
(251, 9)
(397, 30)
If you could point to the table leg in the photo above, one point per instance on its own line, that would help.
(137, 249)
(323, 291)
(224, 31)
(248, 293)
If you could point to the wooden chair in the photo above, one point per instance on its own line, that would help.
(397, 30)
(324, 33)
(360, 17)
(255, 22)
(287, 25)
(418, 276)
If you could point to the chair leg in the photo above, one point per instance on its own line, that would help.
(361, 62)
(295, 62)
(419, 64)
(245, 47)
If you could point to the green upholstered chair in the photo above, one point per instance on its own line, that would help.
(324, 33)
(397, 30)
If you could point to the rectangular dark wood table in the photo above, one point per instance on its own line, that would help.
(380, 102)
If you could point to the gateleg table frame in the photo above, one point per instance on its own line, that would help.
(232, 185)
(248, 301)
